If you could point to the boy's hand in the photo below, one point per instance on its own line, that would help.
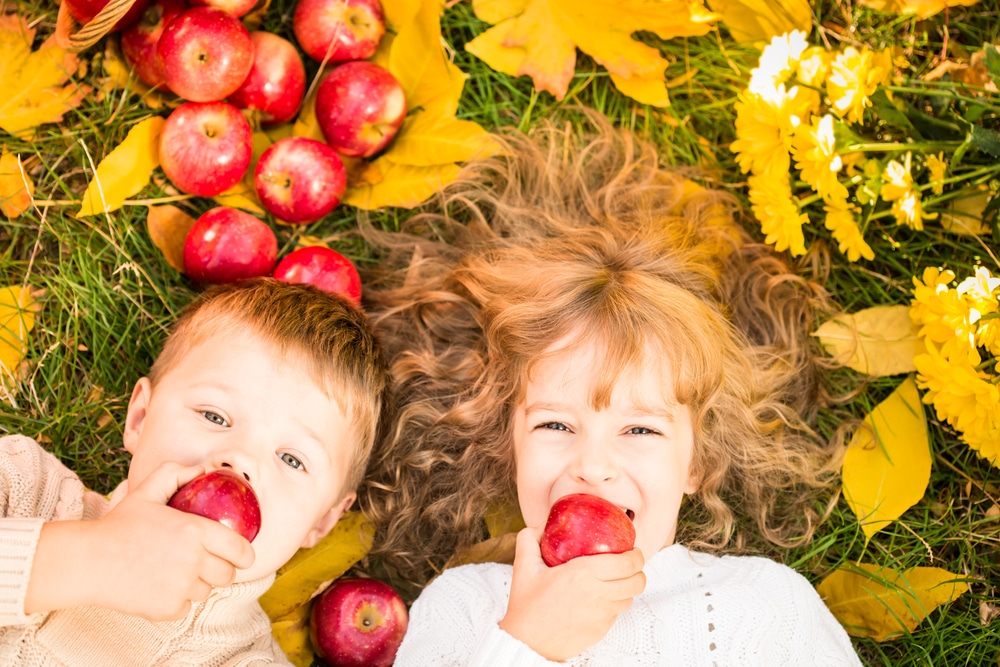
(560, 611)
(142, 558)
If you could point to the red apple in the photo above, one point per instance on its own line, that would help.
(205, 54)
(226, 245)
(84, 10)
(276, 83)
(338, 30)
(583, 525)
(205, 147)
(323, 267)
(299, 179)
(358, 623)
(139, 40)
(359, 107)
(224, 496)
(237, 8)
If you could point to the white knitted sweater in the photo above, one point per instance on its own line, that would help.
(228, 630)
(696, 610)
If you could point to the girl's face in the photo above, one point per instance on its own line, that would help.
(635, 453)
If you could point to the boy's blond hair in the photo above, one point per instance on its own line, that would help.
(328, 337)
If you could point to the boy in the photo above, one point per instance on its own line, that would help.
(281, 383)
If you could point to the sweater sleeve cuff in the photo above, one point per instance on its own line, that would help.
(18, 539)
(499, 648)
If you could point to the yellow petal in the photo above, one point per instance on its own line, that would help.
(16, 187)
(875, 341)
(309, 570)
(888, 462)
(126, 170)
(883, 603)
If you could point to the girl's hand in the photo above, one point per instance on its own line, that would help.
(560, 611)
(141, 558)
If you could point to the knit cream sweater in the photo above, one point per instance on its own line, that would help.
(229, 629)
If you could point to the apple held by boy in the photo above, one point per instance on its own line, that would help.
(205, 54)
(205, 147)
(276, 83)
(323, 267)
(581, 524)
(139, 40)
(338, 30)
(224, 496)
(85, 10)
(360, 107)
(226, 245)
(358, 623)
(300, 180)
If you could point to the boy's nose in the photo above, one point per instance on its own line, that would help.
(238, 461)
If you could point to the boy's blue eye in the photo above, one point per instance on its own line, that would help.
(214, 418)
(291, 461)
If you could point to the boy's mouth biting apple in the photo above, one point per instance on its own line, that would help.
(224, 496)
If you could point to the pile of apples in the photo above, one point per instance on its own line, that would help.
(201, 51)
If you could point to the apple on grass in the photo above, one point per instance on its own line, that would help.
(85, 10)
(139, 40)
(338, 30)
(323, 267)
(300, 180)
(236, 8)
(358, 623)
(276, 83)
(360, 107)
(226, 245)
(224, 496)
(205, 147)
(205, 54)
(581, 524)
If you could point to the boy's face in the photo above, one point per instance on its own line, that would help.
(230, 402)
(636, 452)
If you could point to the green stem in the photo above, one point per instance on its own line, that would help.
(918, 146)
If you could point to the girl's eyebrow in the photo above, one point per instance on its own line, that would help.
(540, 406)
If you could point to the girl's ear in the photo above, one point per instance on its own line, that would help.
(137, 406)
(328, 521)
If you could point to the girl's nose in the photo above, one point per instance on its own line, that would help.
(594, 461)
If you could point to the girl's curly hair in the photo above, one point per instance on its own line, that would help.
(563, 231)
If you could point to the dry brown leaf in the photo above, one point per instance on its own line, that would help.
(35, 84)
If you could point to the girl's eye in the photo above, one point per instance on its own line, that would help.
(554, 426)
(641, 430)
(214, 418)
(291, 461)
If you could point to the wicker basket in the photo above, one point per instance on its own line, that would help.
(100, 25)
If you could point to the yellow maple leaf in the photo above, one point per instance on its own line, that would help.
(760, 20)
(292, 634)
(539, 38)
(17, 319)
(124, 171)
(34, 83)
(922, 9)
(883, 603)
(878, 341)
(16, 187)
(401, 185)
(888, 463)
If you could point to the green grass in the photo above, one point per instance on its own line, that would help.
(108, 293)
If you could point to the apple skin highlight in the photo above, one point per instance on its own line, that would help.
(581, 524)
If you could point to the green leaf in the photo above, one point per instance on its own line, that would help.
(986, 140)
(891, 114)
(992, 62)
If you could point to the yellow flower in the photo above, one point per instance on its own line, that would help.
(982, 291)
(814, 63)
(764, 127)
(778, 61)
(815, 151)
(840, 219)
(854, 77)
(897, 187)
(936, 165)
(778, 213)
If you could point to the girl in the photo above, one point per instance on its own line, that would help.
(580, 319)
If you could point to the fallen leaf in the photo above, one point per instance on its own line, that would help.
(922, 9)
(883, 603)
(244, 194)
(494, 550)
(878, 341)
(402, 185)
(965, 213)
(120, 77)
(168, 226)
(125, 171)
(760, 20)
(888, 462)
(539, 38)
(430, 140)
(309, 570)
(34, 83)
(17, 319)
(16, 187)
(504, 519)
(292, 634)
(987, 612)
